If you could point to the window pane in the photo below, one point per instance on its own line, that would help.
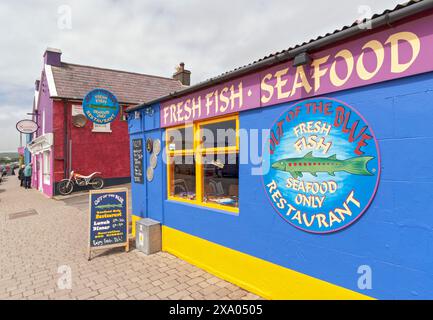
(221, 179)
(180, 139)
(124, 115)
(182, 184)
(220, 134)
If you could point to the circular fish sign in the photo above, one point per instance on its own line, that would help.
(321, 165)
(100, 106)
(27, 126)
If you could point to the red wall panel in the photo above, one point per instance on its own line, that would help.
(59, 140)
(107, 153)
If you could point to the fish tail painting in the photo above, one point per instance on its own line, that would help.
(358, 165)
(314, 165)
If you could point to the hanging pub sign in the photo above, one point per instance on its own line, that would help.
(27, 126)
(109, 223)
(100, 106)
(137, 160)
(321, 165)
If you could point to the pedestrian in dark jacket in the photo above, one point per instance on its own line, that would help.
(21, 175)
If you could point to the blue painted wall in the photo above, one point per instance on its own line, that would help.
(394, 237)
(138, 191)
(147, 198)
(27, 154)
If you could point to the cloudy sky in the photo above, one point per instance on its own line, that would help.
(152, 37)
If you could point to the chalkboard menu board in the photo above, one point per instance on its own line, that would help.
(137, 154)
(109, 226)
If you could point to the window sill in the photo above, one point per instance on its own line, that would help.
(206, 206)
(102, 131)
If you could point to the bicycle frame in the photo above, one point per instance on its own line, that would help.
(81, 180)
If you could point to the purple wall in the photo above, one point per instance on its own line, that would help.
(45, 106)
(45, 110)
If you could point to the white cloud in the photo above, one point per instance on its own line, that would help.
(211, 37)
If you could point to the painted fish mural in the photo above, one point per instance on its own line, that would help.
(313, 165)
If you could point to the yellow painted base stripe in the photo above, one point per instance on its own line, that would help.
(261, 277)
(134, 219)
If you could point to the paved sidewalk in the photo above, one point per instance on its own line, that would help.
(38, 252)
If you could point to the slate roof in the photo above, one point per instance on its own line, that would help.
(74, 81)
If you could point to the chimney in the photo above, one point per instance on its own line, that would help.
(182, 75)
(37, 83)
(52, 57)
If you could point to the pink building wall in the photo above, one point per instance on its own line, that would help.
(44, 119)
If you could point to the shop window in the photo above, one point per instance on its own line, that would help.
(203, 163)
(221, 179)
(183, 182)
(180, 139)
(218, 135)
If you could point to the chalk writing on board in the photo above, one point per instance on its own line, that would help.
(108, 218)
(137, 154)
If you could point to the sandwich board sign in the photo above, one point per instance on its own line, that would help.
(108, 219)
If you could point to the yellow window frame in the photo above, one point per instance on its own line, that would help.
(217, 149)
(182, 151)
(198, 152)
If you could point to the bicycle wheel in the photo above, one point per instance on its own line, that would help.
(65, 187)
(97, 183)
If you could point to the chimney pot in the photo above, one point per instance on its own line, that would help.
(182, 75)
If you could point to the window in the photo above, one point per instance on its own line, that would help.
(220, 179)
(203, 163)
(219, 134)
(46, 167)
(101, 127)
(77, 109)
(183, 175)
(43, 122)
(181, 138)
(123, 114)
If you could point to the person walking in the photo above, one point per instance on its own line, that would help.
(21, 175)
(28, 176)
